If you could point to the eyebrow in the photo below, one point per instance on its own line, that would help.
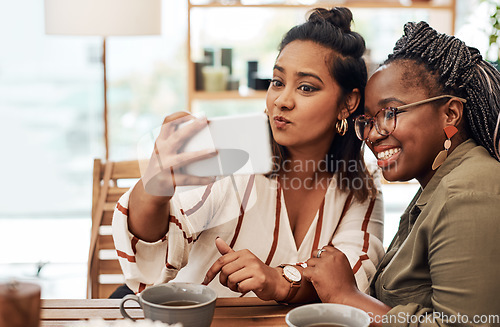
(301, 74)
(383, 103)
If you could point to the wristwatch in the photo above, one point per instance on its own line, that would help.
(292, 275)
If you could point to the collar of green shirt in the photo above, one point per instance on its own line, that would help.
(453, 160)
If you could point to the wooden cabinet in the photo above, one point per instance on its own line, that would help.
(373, 15)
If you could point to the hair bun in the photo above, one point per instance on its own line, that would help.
(338, 16)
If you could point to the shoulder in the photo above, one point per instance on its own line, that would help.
(468, 193)
(477, 173)
(346, 203)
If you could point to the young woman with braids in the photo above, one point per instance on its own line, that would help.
(431, 113)
(318, 83)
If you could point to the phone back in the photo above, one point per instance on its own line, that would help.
(243, 143)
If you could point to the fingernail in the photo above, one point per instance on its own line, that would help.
(217, 237)
(205, 280)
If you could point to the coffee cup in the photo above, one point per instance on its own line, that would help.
(327, 315)
(187, 303)
(19, 304)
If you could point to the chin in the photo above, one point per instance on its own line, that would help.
(283, 141)
(391, 174)
(389, 177)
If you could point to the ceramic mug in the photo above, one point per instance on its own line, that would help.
(327, 314)
(19, 304)
(190, 304)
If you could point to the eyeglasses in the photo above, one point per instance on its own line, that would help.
(385, 119)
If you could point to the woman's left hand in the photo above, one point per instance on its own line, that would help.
(331, 276)
(242, 271)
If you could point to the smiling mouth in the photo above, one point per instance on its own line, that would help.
(387, 154)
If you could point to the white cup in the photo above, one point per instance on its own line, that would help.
(327, 314)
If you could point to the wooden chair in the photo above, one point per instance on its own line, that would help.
(104, 272)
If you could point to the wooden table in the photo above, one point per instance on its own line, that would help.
(239, 312)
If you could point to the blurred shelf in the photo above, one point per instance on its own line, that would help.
(435, 6)
(228, 95)
(350, 4)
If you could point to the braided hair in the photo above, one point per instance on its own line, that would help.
(461, 71)
(331, 28)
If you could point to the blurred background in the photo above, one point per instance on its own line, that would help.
(51, 104)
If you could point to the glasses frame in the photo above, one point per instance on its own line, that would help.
(373, 122)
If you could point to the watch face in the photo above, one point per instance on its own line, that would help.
(292, 273)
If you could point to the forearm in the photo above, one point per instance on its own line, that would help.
(375, 308)
(148, 214)
(142, 262)
(305, 294)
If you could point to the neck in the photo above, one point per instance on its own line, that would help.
(306, 164)
(456, 141)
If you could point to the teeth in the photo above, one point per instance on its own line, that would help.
(384, 155)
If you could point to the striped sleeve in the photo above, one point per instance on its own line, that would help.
(148, 263)
(359, 236)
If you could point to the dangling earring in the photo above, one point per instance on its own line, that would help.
(443, 154)
(265, 111)
(341, 126)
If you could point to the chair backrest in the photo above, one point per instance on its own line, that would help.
(104, 272)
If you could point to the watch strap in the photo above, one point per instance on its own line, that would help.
(294, 286)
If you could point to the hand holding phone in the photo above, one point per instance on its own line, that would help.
(162, 172)
(189, 150)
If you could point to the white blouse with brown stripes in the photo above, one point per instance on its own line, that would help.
(248, 213)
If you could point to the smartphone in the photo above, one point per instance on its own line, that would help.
(243, 143)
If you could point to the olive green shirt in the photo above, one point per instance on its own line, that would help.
(445, 258)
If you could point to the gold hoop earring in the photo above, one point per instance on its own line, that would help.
(341, 126)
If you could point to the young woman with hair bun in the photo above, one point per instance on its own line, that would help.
(431, 113)
(255, 233)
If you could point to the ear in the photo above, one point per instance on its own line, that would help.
(454, 112)
(351, 103)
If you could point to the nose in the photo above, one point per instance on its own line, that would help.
(285, 100)
(374, 135)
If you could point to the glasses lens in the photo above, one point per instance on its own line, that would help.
(362, 125)
(386, 121)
